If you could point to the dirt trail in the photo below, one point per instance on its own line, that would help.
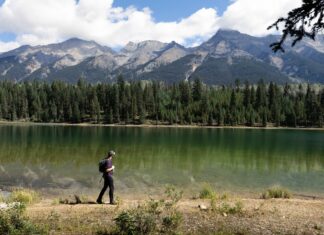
(274, 216)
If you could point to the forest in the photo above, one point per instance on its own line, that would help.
(145, 102)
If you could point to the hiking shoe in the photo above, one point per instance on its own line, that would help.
(113, 203)
(99, 202)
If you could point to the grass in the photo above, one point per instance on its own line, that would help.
(14, 221)
(25, 196)
(276, 192)
(207, 192)
(151, 217)
(226, 208)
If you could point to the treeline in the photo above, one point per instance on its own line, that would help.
(157, 103)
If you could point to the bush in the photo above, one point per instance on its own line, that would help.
(25, 196)
(276, 192)
(228, 209)
(125, 222)
(13, 221)
(152, 216)
(141, 220)
(207, 192)
(173, 194)
(172, 222)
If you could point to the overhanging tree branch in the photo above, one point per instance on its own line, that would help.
(305, 21)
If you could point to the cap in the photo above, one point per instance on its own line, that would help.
(111, 153)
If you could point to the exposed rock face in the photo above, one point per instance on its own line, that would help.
(227, 56)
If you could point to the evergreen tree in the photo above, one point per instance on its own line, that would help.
(76, 115)
(197, 90)
(247, 95)
(233, 108)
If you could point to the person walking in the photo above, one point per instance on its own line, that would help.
(108, 178)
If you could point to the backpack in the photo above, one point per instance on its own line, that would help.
(102, 165)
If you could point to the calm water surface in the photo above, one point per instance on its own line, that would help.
(64, 159)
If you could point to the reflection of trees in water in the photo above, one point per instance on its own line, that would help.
(68, 156)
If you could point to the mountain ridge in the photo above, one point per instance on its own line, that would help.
(227, 56)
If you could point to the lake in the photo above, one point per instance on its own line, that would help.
(64, 159)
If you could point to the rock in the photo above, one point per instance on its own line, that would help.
(3, 206)
(202, 207)
(224, 214)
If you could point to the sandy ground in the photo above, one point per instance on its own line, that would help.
(272, 216)
(269, 127)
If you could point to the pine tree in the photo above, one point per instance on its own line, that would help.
(110, 117)
(197, 90)
(247, 95)
(116, 103)
(76, 115)
(52, 112)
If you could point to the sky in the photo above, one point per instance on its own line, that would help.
(116, 22)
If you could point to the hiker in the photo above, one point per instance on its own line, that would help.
(107, 174)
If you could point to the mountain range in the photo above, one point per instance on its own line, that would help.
(227, 56)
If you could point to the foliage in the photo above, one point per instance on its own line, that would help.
(207, 192)
(141, 220)
(152, 216)
(276, 192)
(53, 221)
(173, 194)
(227, 208)
(26, 196)
(171, 222)
(304, 21)
(13, 221)
(185, 103)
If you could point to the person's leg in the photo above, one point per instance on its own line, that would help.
(103, 190)
(111, 189)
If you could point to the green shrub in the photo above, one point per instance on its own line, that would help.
(151, 217)
(136, 221)
(173, 194)
(276, 192)
(172, 222)
(13, 221)
(25, 196)
(105, 231)
(125, 222)
(229, 209)
(207, 192)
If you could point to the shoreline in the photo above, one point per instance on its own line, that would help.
(258, 216)
(228, 214)
(28, 123)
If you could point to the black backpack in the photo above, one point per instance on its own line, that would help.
(102, 165)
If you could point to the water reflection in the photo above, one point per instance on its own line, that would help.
(59, 157)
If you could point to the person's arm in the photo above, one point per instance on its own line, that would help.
(110, 169)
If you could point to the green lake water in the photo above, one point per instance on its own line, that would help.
(65, 159)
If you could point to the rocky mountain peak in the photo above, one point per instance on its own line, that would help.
(149, 45)
(226, 56)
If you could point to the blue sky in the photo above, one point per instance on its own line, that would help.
(166, 10)
(116, 22)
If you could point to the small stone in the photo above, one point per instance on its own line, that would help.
(202, 207)
(3, 206)
(224, 214)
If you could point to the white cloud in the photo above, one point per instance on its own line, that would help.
(254, 16)
(7, 46)
(48, 21)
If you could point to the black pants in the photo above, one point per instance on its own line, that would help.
(108, 182)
